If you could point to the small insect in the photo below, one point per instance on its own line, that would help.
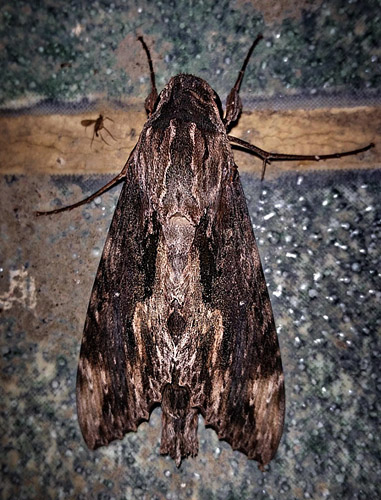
(180, 315)
(98, 126)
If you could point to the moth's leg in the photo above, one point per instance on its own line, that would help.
(152, 97)
(267, 157)
(233, 101)
(100, 191)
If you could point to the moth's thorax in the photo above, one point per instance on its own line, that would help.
(190, 99)
(186, 139)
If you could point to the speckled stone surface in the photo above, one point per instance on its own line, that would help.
(73, 52)
(318, 235)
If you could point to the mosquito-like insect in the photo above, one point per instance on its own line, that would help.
(98, 126)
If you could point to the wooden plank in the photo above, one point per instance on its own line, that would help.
(59, 144)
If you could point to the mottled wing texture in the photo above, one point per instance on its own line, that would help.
(117, 374)
(179, 313)
(240, 387)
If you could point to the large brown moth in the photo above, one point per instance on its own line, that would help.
(179, 314)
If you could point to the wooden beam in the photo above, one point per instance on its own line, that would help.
(59, 144)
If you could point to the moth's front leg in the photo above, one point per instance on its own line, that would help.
(120, 177)
(267, 156)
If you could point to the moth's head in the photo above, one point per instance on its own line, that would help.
(189, 98)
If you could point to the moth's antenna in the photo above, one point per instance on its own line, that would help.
(237, 84)
(233, 101)
(152, 97)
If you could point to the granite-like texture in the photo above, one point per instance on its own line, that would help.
(67, 52)
(319, 237)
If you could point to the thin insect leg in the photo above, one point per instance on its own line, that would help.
(98, 126)
(102, 138)
(95, 133)
(233, 101)
(267, 156)
(109, 133)
(100, 191)
(152, 97)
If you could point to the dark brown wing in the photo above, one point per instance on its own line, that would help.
(87, 123)
(114, 365)
(240, 389)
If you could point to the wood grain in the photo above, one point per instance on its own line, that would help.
(59, 144)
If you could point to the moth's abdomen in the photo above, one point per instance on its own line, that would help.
(179, 423)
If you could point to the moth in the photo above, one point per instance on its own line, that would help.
(179, 314)
(98, 126)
